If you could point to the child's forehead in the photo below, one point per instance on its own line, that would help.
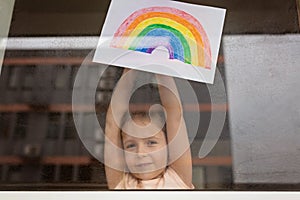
(159, 135)
(142, 124)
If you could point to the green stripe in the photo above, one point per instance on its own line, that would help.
(186, 47)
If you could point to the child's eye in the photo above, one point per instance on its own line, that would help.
(130, 146)
(151, 142)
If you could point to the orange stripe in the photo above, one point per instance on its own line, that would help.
(39, 60)
(90, 108)
(66, 160)
(86, 160)
(13, 160)
(213, 161)
(47, 61)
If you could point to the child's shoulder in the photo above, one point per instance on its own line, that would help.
(173, 179)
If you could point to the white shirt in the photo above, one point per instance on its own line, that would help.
(169, 180)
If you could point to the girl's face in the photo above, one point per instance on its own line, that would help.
(146, 158)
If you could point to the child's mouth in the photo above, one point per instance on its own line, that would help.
(143, 165)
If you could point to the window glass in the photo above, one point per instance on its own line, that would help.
(69, 130)
(66, 173)
(54, 124)
(21, 125)
(13, 77)
(59, 78)
(48, 173)
(49, 42)
(4, 125)
(29, 78)
(14, 173)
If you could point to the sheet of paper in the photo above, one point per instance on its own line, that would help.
(162, 36)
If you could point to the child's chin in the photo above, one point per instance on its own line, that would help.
(148, 175)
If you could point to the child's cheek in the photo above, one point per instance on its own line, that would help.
(130, 157)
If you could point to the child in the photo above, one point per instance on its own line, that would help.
(140, 151)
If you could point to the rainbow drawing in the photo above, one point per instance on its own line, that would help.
(179, 32)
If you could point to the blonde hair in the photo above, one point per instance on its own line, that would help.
(144, 117)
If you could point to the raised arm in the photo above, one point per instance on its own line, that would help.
(113, 154)
(178, 143)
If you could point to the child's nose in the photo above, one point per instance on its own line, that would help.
(141, 151)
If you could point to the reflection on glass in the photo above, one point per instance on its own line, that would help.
(29, 77)
(21, 126)
(48, 173)
(39, 118)
(53, 126)
(60, 77)
(13, 77)
(66, 173)
(14, 173)
(70, 130)
(4, 125)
